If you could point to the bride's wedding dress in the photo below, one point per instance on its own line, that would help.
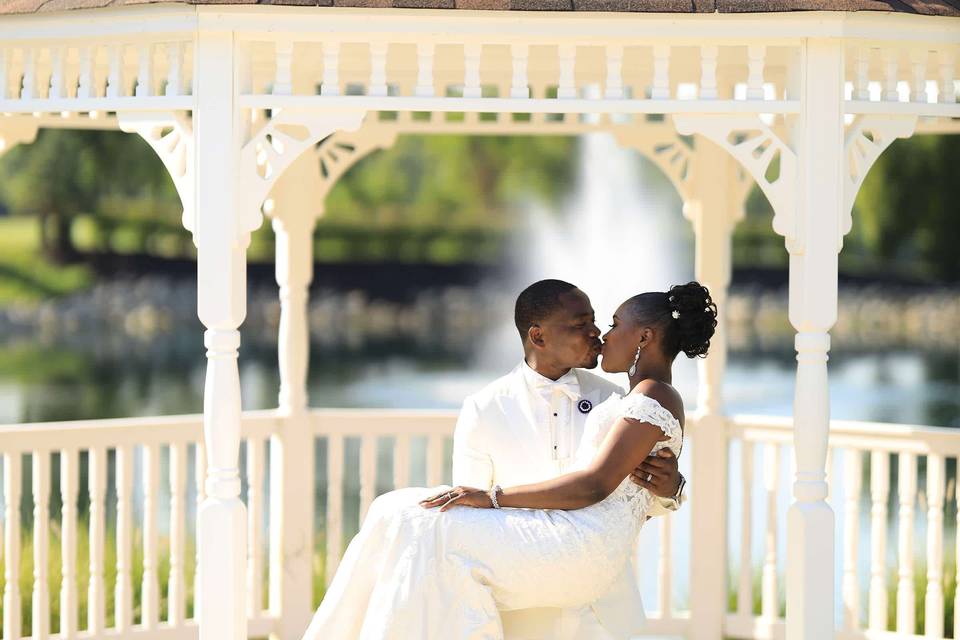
(418, 574)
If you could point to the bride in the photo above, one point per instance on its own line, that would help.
(426, 567)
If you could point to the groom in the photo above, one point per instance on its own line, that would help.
(525, 428)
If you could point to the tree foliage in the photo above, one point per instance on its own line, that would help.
(68, 172)
(909, 207)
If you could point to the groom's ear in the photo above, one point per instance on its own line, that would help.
(535, 335)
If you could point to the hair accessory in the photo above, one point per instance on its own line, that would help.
(675, 314)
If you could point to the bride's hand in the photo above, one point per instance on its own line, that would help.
(463, 496)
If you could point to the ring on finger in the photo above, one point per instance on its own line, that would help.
(649, 477)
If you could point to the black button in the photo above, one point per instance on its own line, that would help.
(554, 415)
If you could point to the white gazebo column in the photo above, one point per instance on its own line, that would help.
(295, 208)
(714, 210)
(814, 246)
(221, 238)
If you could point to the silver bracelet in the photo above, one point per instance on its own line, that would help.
(493, 495)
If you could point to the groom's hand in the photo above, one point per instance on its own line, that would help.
(660, 474)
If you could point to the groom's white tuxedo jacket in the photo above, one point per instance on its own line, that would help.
(524, 428)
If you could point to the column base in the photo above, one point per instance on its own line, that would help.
(222, 545)
(810, 567)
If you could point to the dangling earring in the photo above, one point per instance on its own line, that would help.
(633, 368)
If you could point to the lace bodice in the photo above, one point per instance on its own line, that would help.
(639, 407)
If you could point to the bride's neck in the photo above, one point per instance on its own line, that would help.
(661, 371)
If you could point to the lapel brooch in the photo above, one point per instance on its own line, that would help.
(584, 406)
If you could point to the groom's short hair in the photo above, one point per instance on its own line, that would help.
(538, 301)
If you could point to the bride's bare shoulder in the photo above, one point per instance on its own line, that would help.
(668, 397)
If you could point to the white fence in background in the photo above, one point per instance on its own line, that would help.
(136, 511)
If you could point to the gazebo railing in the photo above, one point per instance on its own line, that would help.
(878, 473)
(133, 571)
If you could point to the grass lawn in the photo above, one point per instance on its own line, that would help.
(26, 276)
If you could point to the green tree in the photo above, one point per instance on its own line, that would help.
(68, 172)
(908, 209)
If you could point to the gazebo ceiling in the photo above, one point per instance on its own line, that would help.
(925, 7)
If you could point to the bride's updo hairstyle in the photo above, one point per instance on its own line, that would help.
(686, 315)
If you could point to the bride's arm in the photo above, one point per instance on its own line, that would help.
(627, 445)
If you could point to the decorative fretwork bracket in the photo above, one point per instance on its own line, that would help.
(758, 149)
(14, 131)
(170, 135)
(677, 156)
(660, 144)
(865, 140)
(277, 144)
(342, 150)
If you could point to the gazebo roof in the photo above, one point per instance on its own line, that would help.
(925, 7)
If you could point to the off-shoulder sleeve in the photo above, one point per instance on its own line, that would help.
(644, 408)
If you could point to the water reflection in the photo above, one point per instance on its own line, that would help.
(80, 381)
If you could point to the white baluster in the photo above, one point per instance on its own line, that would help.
(115, 73)
(68, 543)
(85, 81)
(96, 591)
(176, 580)
(663, 570)
(283, 80)
(918, 73)
(123, 591)
(520, 53)
(368, 474)
(661, 72)
(174, 74)
(150, 585)
(933, 603)
(29, 87)
(956, 595)
(471, 70)
(708, 71)
(378, 68)
(200, 473)
(424, 88)
(948, 90)
(41, 540)
(853, 481)
(769, 592)
(401, 461)
(5, 57)
(144, 71)
(331, 69)
(434, 460)
(879, 492)
(254, 518)
(861, 86)
(567, 83)
(756, 55)
(891, 64)
(614, 89)
(907, 494)
(57, 84)
(334, 504)
(745, 588)
(11, 545)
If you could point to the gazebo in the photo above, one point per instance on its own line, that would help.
(251, 103)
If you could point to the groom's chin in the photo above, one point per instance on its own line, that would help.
(591, 363)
